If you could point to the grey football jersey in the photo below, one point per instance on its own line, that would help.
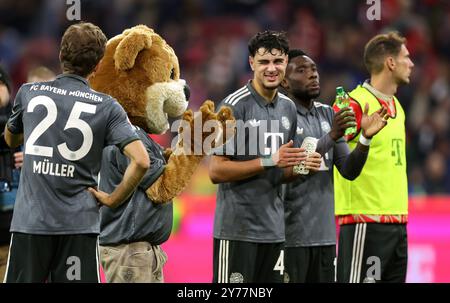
(252, 209)
(309, 203)
(66, 125)
(138, 218)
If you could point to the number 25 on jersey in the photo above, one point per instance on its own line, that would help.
(74, 121)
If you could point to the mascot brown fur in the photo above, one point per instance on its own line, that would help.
(142, 72)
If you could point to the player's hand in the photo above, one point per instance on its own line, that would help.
(372, 124)
(313, 162)
(102, 197)
(343, 119)
(288, 155)
(18, 159)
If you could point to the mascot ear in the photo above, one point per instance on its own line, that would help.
(129, 48)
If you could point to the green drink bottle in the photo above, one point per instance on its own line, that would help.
(343, 100)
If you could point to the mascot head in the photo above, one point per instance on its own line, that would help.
(141, 71)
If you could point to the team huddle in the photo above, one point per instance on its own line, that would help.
(93, 187)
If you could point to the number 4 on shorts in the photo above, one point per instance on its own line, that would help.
(279, 265)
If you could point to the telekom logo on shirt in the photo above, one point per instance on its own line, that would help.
(273, 142)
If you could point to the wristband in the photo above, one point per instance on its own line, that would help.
(364, 141)
(266, 161)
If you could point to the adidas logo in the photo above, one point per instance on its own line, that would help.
(254, 123)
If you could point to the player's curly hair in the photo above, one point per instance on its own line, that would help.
(82, 46)
(294, 53)
(270, 40)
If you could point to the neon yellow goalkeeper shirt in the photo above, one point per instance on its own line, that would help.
(381, 188)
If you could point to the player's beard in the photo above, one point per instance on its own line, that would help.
(305, 94)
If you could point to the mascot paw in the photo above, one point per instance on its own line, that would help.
(202, 131)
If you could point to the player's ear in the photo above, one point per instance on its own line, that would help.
(251, 61)
(390, 63)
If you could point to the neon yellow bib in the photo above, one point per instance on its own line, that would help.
(382, 186)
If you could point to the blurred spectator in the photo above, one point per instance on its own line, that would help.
(40, 73)
(37, 74)
(8, 177)
(5, 151)
(5, 89)
(436, 177)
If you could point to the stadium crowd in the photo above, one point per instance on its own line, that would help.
(210, 39)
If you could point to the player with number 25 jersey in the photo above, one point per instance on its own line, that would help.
(64, 126)
(64, 137)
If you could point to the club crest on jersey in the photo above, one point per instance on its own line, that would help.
(325, 126)
(285, 122)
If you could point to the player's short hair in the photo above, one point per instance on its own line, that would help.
(270, 40)
(82, 47)
(294, 53)
(379, 47)
(40, 72)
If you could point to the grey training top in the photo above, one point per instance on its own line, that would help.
(309, 202)
(138, 218)
(252, 209)
(65, 124)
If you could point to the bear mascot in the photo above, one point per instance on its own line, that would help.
(142, 72)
